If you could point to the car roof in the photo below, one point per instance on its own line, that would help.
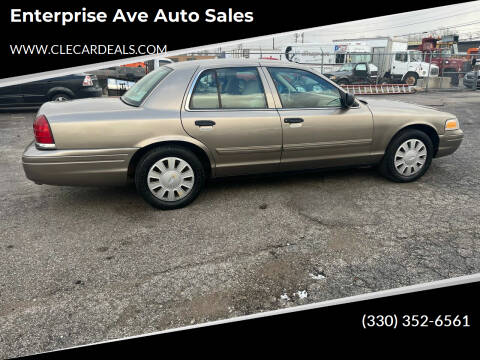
(232, 62)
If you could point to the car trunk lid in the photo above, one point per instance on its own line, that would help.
(56, 110)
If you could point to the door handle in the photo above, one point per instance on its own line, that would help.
(204, 122)
(293, 120)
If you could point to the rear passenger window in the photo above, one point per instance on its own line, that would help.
(241, 88)
(229, 88)
(205, 94)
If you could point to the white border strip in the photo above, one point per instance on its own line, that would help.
(375, 295)
(97, 66)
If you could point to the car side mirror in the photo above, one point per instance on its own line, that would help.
(348, 100)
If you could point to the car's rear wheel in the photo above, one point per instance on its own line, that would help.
(169, 177)
(61, 97)
(408, 156)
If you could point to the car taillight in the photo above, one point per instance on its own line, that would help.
(43, 133)
(87, 81)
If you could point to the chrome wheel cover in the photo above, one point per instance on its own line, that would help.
(170, 179)
(410, 157)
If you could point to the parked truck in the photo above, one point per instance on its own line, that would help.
(118, 75)
(154, 64)
(443, 52)
(325, 57)
(354, 73)
(394, 61)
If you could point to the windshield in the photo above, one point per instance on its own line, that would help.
(416, 56)
(442, 54)
(346, 67)
(138, 92)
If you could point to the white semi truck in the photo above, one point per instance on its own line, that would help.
(394, 61)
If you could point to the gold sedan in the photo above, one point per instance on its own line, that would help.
(187, 122)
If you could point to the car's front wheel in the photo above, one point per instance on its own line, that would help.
(410, 79)
(169, 177)
(408, 156)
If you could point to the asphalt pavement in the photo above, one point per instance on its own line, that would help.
(80, 265)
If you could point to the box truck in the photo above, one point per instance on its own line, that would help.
(325, 57)
(395, 62)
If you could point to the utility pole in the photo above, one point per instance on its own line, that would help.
(475, 72)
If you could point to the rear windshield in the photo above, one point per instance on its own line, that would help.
(138, 92)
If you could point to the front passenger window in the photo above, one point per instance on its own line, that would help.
(302, 89)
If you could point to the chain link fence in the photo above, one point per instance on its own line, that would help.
(436, 69)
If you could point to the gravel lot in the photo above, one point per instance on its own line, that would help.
(80, 265)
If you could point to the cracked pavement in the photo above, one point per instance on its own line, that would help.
(80, 265)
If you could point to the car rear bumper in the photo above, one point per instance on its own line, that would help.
(77, 167)
(89, 91)
(449, 142)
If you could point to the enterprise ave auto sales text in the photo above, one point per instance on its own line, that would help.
(121, 16)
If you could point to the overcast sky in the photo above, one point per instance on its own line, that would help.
(463, 19)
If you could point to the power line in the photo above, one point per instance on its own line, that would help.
(389, 27)
(443, 29)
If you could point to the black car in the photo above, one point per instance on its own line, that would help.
(35, 93)
(469, 79)
(354, 73)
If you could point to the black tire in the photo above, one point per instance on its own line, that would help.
(455, 79)
(61, 97)
(411, 79)
(155, 155)
(387, 166)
